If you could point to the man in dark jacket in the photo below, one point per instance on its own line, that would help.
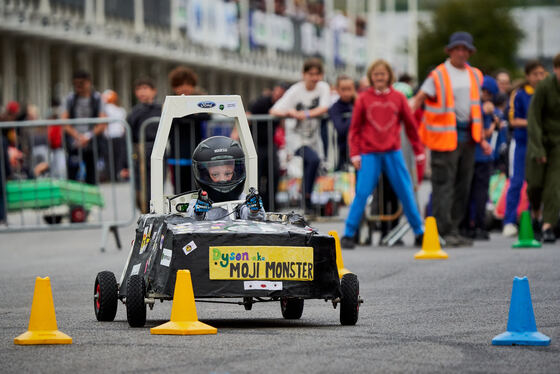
(265, 144)
(542, 164)
(145, 91)
(186, 132)
(341, 115)
(83, 102)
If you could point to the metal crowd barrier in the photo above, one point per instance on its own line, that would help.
(223, 126)
(174, 159)
(45, 188)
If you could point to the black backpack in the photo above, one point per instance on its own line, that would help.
(94, 102)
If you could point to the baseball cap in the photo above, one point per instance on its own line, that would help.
(461, 38)
(12, 107)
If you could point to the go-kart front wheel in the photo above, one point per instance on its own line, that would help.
(350, 300)
(135, 305)
(291, 308)
(105, 296)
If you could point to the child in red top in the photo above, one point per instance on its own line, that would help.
(374, 140)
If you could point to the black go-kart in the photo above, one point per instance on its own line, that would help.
(280, 259)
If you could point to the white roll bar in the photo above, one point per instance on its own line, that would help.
(180, 106)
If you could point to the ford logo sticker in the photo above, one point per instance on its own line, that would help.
(206, 104)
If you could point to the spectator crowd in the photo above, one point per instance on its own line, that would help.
(466, 129)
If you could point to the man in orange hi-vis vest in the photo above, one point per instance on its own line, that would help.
(451, 125)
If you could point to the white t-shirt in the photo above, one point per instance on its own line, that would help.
(461, 86)
(305, 132)
(115, 129)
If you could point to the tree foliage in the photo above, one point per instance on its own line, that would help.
(496, 35)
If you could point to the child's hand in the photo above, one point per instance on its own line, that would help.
(488, 107)
(420, 166)
(300, 115)
(357, 162)
(486, 147)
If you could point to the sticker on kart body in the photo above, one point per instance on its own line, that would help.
(165, 257)
(135, 269)
(187, 249)
(262, 285)
(206, 104)
(261, 262)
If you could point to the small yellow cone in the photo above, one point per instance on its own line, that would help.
(431, 249)
(339, 261)
(42, 323)
(184, 320)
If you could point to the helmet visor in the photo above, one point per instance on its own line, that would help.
(221, 175)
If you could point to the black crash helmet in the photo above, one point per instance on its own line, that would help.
(219, 168)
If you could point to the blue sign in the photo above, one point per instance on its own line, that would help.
(206, 104)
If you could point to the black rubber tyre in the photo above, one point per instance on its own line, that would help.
(105, 296)
(53, 219)
(135, 305)
(291, 308)
(349, 300)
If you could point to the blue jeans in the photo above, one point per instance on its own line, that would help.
(310, 167)
(516, 182)
(393, 166)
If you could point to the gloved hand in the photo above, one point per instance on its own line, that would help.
(253, 200)
(203, 203)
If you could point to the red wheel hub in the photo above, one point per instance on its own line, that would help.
(97, 296)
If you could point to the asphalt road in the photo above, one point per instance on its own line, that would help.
(418, 316)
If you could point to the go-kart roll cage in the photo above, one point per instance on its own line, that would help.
(181, 106)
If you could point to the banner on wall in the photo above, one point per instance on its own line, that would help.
(216, 23)
(271, 30)
(210, 22)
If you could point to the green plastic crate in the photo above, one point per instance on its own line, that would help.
(47, 193)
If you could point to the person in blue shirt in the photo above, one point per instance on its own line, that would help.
(491, 117)
(519, 107)
(341, 114)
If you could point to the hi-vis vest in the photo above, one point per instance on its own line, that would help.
(438, 130)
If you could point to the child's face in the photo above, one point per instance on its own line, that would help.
(221, 173)
(145, 94)
(486, 96)
(380, 77)
(312, 77)
(346, 90)
(536, 75)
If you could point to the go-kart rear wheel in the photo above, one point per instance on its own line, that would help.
(135, 305)
(349, 301)
(105, 296)
(291, 308)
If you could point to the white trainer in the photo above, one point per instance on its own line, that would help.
(510, 230)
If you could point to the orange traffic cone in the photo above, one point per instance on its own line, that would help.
(184, 320)
(42, 322)
(431, 249)
(339, 261)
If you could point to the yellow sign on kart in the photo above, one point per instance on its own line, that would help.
(261, 262)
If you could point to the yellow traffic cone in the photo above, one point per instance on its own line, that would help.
(42, 323)
(339, 261)
(431, 249)
(184, 320)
